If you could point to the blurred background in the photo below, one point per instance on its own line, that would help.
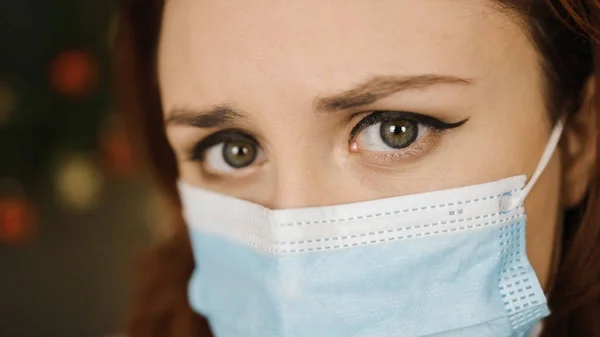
(75, 208)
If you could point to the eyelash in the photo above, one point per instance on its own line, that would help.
(198, 152)
(386, 116)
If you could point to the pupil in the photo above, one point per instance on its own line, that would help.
(239, 154)
(398, 134)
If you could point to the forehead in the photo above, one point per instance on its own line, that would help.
(222, 50)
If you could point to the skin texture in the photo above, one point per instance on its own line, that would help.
(271, 60)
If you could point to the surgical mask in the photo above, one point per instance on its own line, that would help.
(443, 263)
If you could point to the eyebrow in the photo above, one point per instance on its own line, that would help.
(214, 116)
(364, 94)
(380, 87)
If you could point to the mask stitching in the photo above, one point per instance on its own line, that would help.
(408, 228)
(262, 244)
(367, 216)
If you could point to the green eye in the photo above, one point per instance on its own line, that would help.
(399, 133)
(239, 154)
(229, 152)
(395, 131)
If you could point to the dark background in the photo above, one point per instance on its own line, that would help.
(74, 209)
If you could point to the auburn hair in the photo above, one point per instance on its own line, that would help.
(562, 30)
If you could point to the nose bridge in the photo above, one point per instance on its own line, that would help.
(300, 150)
(300, 180)
(301, 171)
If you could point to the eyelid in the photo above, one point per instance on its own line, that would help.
(196, 153)
(386, 115)
(423, 144)
(212, 171)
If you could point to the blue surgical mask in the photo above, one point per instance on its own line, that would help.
(443, 263)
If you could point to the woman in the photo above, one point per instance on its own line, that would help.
(432, 125)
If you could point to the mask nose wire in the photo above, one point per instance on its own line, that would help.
(545, 159)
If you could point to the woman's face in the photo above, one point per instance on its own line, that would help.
(310, 103)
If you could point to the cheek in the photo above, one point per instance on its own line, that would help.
(543, 227)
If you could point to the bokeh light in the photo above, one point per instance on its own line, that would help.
(78, 182)
(73, 73)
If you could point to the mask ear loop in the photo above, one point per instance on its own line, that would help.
(507, 201)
